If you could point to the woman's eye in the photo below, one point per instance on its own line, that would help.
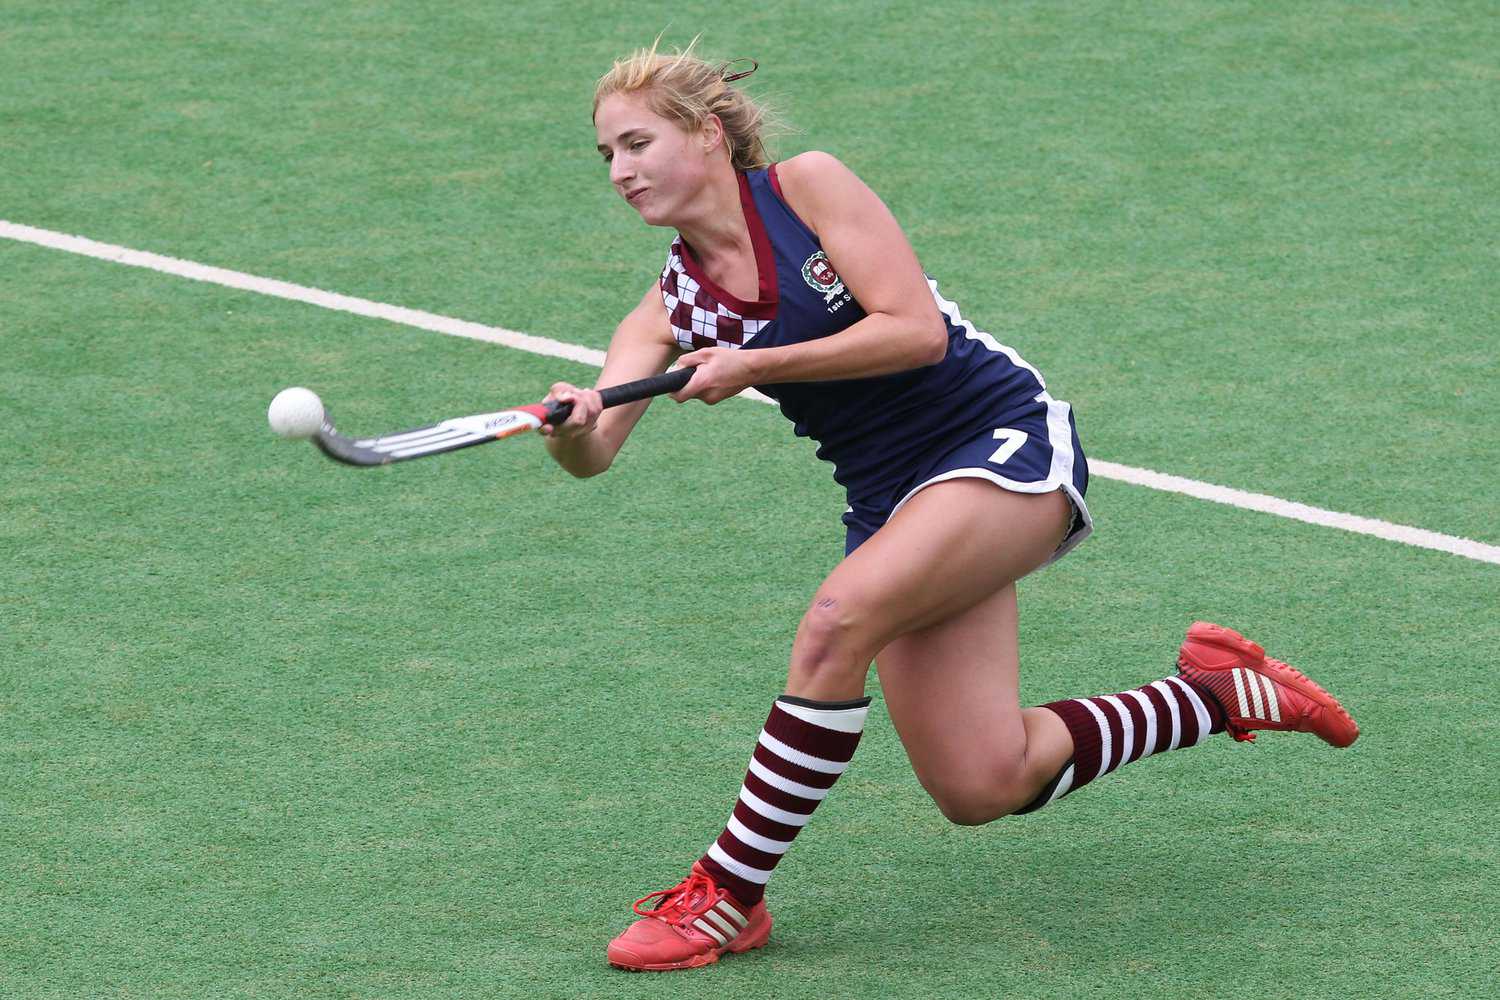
(638, 145)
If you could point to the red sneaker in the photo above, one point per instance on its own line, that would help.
(692, 924)
(1257, 692)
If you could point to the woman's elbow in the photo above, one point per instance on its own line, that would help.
(934, 344)
(579, 463)
(589, 471)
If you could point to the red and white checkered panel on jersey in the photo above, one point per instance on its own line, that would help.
(698, 319)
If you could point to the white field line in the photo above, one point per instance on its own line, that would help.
(1419, 537)
(300, 293)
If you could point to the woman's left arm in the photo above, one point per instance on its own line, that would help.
(902, 328)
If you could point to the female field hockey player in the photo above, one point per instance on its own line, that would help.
(963, 474)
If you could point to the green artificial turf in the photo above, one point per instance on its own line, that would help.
(271, 728)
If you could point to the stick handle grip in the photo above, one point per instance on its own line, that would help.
(628, 392)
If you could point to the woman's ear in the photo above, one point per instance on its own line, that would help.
(713, 133)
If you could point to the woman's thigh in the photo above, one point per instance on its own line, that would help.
(953, 694)
(952, 546)
(949, 664)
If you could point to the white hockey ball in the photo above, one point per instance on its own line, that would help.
(296, 413)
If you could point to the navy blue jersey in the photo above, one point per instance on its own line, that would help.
(875, 431)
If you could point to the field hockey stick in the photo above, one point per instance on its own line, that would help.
(480, 428)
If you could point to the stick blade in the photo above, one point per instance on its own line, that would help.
(419, 442)
(343, 449)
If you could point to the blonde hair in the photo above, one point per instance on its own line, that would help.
(685, 89)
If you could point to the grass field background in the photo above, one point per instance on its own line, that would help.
(273, 728)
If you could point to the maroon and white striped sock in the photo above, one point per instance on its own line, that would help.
(801, 752)
(1114, 729)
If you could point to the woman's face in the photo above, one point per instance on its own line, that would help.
(655, 165)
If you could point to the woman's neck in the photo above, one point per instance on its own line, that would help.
(715, 226)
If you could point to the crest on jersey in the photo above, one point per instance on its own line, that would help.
(820, 276)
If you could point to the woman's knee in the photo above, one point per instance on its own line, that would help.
(974, 803)
(833, 636)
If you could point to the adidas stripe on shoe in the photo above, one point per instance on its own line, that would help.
(1257, 692)
(692, 924)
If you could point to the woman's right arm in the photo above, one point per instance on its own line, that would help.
(586, 443)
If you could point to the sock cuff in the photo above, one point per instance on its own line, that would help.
(840, 716)
(833, 706)
(1060, 785)
(1087, 741)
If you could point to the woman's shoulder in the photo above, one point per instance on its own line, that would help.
(811, 167)
(810, 181)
